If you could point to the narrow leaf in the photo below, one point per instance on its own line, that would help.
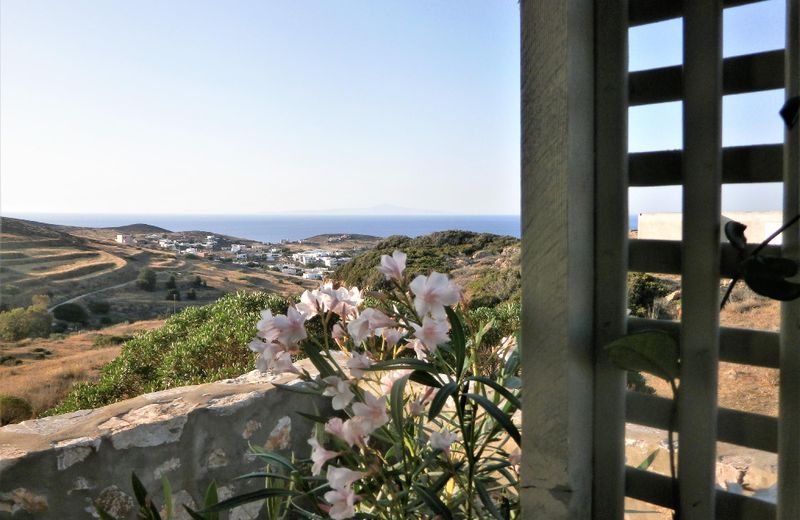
(498, 415)
(419, 376)
(297, 388)
(647, 462)
(433, 501)
(274, 457)
(194, 514)
(139, 490)
(500, 389)
(414, 364)
(103, 515)
(440, 398)
(734, 232)
(396, 400)
(487, 500)
(458, 340)
(168, 505)
(246, 498)
(314, 418)
(211, 498)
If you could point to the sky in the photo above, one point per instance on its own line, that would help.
(286, 106)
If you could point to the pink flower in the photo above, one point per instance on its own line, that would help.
(416, 407)
(432, 333)
(342, 478)
(282, 362)
(367, 323)
(342, 503)
(371, 413)
(393, 376)
(393, 266)
(339, 390)
(515, 456)
(341, 301)
(419, 348)
(265, 326)
(291, 328)
(350, 431)
(393, 336)
(311, 303)
(432, 293)
(442, 441)
(357, 364)
(319, 456)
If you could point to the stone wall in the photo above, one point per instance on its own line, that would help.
(60, 467)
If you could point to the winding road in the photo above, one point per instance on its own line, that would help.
(76, 298)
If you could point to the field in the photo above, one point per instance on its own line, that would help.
(43, 370)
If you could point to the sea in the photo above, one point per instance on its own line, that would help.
(275, 228)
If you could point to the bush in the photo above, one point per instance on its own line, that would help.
(99, 307)
(9, 290)
(106, 340)
(643, 289)
(197, 282)
(14, 409)
(105, 320)
(199, 345)
(191, 295)
(171, 283)
(19, 323)
(174, 295)
(71, 312)
(146, 280)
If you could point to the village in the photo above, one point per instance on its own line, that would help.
(289, 257)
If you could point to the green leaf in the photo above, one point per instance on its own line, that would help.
(139, 490)
(246, 498)
(311, 417)
(651, 351)
(734, 232)
(646, 463)
(274, 457)
(457, 340)
(168, 501)
(211, 498)
(487, 500)
(440, 398)
(498, 415)
(194, 514)
(433, 501)
(312, 351)
(397, 402)
(418, 376)
(103, 515)
(497, 387)
(413, 364)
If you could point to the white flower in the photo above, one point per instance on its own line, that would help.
(432, 293)
(340, 301)
(342, 503)
(367, 323)
(265, 326)
(391, 377)
(339, 390)
(371, 413)
(419, 348)
(432, 333)
(357, 364)
(311, 303)
(267, 352)
(319, 456)
(291, 328)
(393, 266)
(282, 362)
(442, 441)
(393, 336)
(342, 478)
(416, 407)
(350, 431)
(515, 456)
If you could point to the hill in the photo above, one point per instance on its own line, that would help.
(486, 266)
(139, 228)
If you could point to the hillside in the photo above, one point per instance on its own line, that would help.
(486, 266)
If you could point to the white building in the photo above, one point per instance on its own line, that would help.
(127, 240)
(668, 226)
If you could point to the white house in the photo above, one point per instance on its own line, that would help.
(127, 240)
(668, 226)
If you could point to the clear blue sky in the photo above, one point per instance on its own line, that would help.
(111, 106)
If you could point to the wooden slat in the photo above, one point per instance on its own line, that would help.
(740, 165)
(740, 75)
(751, 430)
(642, 12)
(743, 346)
(789, 392)
(611, 255)
(664, 256)
(655, 489)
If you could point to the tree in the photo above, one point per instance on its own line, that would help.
(174, 295)
(191, 295)
(40, 301)
(71, 312)
(171, 283)
(20, 323)
(146, 280)
(197, 282)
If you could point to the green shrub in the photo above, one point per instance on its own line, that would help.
(643, 289)
(71, 312)
(14, 409)
(19, 323)
(146, 280)
(199, 345)
(99, 307)
(9, 290)
(191, 295)
(174, 295)
(197, 282)
(171, 283)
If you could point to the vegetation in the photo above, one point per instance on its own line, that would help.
(643, 289)
(444, 252)
(197, 345)
(31, 322)
(191, 295)
(14, 409)
(99, 307)
(71, 312)
(171, 282)
(174, 295)
(146, 280)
